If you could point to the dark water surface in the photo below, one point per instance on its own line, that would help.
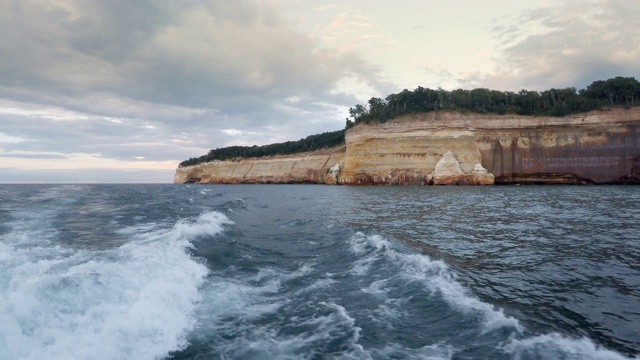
(319, 272)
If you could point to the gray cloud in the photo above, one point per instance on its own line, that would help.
(162, 79)
(571, 44)
(172, 53)
(15, 176)
(33, 156)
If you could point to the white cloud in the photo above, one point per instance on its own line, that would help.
(324, 8)
(236, 132)
(8, 139)
(568, 44)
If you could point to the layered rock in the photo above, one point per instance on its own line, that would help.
(595, 147)
(313, 168)
(456, 148)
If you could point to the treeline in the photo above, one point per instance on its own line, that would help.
(554, 102)
(310, 143)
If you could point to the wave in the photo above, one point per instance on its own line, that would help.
(557, 346)
(428, 352)
(434, 274)
(136, 301)
(250, 317)
(439, 279)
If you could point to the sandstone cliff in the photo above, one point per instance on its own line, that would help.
(315, 168)
(594, 147)
(455, 148)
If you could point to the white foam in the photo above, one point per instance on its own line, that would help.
(136, 301)
(336, 323)
(226, 298)
(231, 306)
(556, 346)
(370, 249)
(433, 273)
(440, 279)
(437, 276)
(428, 352)
(377, 287)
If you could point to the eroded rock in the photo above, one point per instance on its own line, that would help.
(481, 176)
(332, 175)
(448, 171)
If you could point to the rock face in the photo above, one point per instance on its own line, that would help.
(448, 172)
(405, 151)
(332, 175)
(480, 176)
(313, 168)
(455, 148)
(594, 147)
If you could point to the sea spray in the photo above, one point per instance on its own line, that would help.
(134, 301)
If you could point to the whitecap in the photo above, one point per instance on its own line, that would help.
(136, 301)
(428, 352)
(557, 346)
(369, 249)
(434, 274)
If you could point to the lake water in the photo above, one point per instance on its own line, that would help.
(319, 272)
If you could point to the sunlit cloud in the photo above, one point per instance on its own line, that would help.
(325, 7)
(568, 44)
(236, 132)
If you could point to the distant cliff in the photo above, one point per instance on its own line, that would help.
(455, 148)
(311, 167)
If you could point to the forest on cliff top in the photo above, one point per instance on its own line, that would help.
(600, 94)
(554, 102)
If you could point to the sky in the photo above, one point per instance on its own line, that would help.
(121, 91)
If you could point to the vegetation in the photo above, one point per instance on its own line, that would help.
(310, 143)
(555, 102)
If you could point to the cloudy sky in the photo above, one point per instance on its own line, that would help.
(123, 90)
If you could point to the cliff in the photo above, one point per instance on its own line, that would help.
(456, 148)
(313, 167)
